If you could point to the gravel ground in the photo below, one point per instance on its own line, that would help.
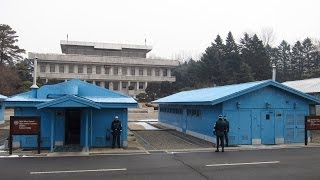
(169, 139)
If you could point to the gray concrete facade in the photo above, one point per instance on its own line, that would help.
(97, 63)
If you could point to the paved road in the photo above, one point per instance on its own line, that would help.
(293, 164)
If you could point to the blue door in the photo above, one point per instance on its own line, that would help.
(294, 126)
(267, 127)
(245, 127)
(233, 127)
(240, 126)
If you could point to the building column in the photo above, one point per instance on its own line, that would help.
(145, 85)
(102, 84)
(52, 133)
(93, 82)
(137, 85)
(86, 147)
(153, 72)
(111, 71)
(169, 72)
(120, 85)
(111, 85)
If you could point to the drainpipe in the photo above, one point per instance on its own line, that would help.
(273, 72)
(34, 86)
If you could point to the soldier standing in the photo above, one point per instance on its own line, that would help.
(116, 128)
(219, 129)
(226, 132)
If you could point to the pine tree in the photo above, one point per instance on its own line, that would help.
(284, 61)
(297, 60)
(231, 61)
(9, 52)
(255, 55)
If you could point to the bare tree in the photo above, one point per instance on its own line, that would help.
(267, 35)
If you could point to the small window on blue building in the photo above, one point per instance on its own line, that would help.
(267, 116)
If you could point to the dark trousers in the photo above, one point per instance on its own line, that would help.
(220, 140)
(226, 138)
(115, 137)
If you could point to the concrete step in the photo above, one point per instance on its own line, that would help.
(131, 138)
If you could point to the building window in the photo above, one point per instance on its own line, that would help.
(157, 72)
(71, 68)
(140, 71)
(149, 71)
(106, 69)
(165, 72)
(89, 69)
(141, 85)
(116, 86)
(134, 85)
(124, 71)
(124, 85)
(61, 68)
(42, 68)
(80, 68)
(52, 68)
(106, 85)
(132, 71)
(115, 70)
(98, 69)
(98, 83)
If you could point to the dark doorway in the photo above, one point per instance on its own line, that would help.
(72, 130)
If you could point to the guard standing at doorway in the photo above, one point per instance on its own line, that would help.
(219, 129)
(226, 132)
(116, 128)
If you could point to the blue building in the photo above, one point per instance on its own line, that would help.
(2, 98)
(72, 112)
(264, 112)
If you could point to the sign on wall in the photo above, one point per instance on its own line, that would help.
(24, 125)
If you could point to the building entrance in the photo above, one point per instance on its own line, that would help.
(72, 126)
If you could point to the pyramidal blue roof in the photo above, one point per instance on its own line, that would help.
(73, 89)
(215, 95)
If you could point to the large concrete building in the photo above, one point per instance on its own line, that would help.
(118, 67)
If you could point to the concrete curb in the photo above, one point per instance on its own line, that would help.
(168, 151)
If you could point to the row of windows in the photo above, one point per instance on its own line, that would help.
(190, 112)
(124, 85)
(172, 110)
(194, 112)
(107, 70)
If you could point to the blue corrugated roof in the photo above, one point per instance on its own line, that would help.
(77, 88)
(219, 94)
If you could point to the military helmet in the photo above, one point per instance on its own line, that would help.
(220, 116)
(116, 117)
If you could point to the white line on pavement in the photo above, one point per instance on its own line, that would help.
(239, 164)
(78, 171)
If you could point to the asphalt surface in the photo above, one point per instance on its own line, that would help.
(293, 164)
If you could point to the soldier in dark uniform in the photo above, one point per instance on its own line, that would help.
(226, 132)
(219, 129)
(116, 128)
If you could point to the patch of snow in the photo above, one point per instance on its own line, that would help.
(148, 120)
(146, 126)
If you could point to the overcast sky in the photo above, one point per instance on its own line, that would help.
(172, 27)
